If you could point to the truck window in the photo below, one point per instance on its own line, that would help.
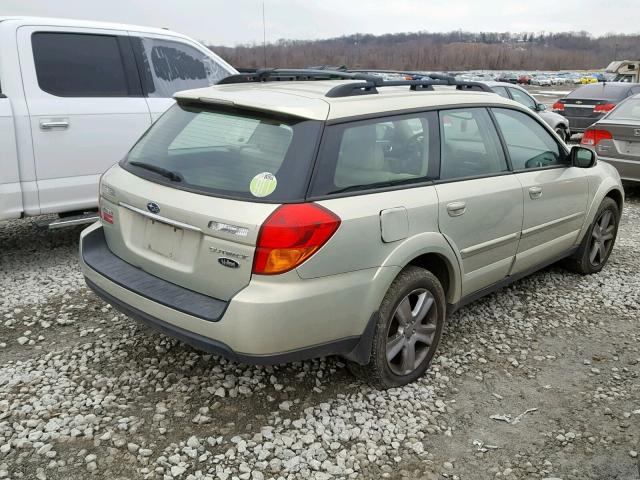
(79, 65)
(168, 66)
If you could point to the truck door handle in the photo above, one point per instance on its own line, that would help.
(535, 192)
(456, 209)
(48, 125)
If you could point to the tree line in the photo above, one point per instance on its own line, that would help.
(442, 51)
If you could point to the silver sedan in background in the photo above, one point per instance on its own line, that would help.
(559, 123)
(616, 138)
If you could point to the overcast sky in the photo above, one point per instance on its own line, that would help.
(232, 22)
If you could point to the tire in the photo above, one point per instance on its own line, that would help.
(562, 133)
(411, 318)
(596, 247)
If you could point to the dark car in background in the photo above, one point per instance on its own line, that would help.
(616, 138)
(589, 103)
(508, 78)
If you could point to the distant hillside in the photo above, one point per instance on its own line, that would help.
(443, 51)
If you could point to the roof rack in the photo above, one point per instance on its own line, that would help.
(369, 84)
(287, 75)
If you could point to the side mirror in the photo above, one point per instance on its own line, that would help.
(541, 107)
(582, 157)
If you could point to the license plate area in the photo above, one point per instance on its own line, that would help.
(162, 238)
(631, 148)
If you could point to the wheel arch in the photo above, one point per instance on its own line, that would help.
(609, 188)
(440, 267)
(617, 196)
(432, 252)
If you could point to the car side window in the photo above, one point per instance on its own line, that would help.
(80, 65)
(169, 66)
(469, 144)
(501, 91)
(370, 154)
(521, 97)
(529, 144)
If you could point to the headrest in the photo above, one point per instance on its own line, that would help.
(360, 150)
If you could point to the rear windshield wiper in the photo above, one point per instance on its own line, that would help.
(173, 176)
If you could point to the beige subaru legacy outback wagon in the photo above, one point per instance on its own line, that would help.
(286, 215)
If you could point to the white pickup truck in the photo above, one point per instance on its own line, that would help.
(74, 97)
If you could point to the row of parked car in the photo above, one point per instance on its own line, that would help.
(537, 78)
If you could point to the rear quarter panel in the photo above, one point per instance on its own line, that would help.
(358, 243)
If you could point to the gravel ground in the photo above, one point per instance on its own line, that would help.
(540, 380)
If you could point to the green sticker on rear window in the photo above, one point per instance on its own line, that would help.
(263, 184)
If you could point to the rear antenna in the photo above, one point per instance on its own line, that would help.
(264, 36)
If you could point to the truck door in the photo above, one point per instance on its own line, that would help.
(170, 64)
(85, 106)
(10, 190)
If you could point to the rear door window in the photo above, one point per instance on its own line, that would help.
(470, 145)
(169, 66)
(80, 65)
(529, 144)
(228, 152)
(375, 154)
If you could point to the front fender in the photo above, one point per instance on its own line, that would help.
(424, 243)
(602, 181)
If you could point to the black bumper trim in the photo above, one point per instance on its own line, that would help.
(98, 257)
(353, 348)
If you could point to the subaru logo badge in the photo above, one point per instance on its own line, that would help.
(153, 207)
(228, 262)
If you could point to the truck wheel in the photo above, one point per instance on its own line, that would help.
(598, 242)
(408, 330)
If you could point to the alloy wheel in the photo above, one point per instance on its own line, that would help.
(602, 237)
(411, 332)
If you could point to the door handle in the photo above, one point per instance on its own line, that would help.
(535, 192)
(456, 209)
(49, 124)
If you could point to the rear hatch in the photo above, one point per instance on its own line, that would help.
(187, 203)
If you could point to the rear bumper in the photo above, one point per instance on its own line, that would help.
(629, 170)
(580, 124)
(273, 320)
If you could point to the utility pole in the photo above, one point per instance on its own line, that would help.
(264, 36)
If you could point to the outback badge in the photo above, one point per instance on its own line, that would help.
(228, 262)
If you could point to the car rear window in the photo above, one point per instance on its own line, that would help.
(600, 91)
(629, 110)
(228, 152)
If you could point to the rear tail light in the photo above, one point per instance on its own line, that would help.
(594, 137)
(290, 235)
(558, 107)
(605, 107)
